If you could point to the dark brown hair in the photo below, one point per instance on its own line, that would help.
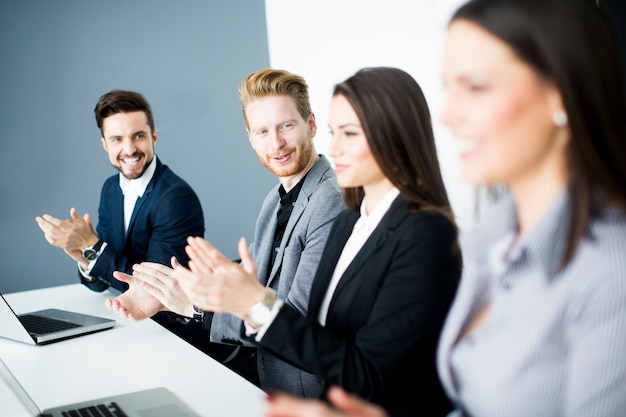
(122, 101)
(395, 118)
(572, 44)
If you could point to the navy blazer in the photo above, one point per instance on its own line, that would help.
(163, 218)
(385, 317)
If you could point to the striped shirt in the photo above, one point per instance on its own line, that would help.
(554, 343)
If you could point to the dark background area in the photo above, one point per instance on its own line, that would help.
(616, 9)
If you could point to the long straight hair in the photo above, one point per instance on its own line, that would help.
(572, 44)
(395, 118)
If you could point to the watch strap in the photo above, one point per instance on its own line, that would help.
(97, 246)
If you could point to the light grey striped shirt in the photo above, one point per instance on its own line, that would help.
(554, 343)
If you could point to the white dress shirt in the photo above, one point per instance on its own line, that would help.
(133, 189)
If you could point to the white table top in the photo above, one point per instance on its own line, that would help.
(130, 357)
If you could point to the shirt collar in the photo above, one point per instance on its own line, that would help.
(291, 196)
(138, 186)
(544, 244)
(372, 220)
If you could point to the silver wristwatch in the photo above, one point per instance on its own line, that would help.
(261, 312)
(198, 314)
(91, 253)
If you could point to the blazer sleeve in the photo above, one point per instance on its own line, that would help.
(106, 232)
(386, 315)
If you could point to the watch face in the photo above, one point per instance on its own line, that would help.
(259, 314)
(89, 254)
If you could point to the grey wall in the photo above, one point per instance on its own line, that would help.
(58, 57)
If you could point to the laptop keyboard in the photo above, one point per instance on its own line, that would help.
(100, 410)
(43, 325)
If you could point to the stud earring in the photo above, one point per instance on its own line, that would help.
(559, 119)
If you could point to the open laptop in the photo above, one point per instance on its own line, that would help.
(155, 402)
(47, 326)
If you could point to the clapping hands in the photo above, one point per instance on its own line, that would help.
(212, 283)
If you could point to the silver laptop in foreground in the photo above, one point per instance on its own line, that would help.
(155, 402)
(47, 326)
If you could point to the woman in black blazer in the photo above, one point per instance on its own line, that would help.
(390, 268)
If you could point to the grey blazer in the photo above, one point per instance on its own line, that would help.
(318, 203)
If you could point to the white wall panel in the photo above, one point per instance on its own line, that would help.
(328, 40)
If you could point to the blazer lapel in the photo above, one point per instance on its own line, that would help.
(297, 211)
(266, 240)
(367, 253)
(117, 217)
(142, 200)
(374, 243)
(342, 229)
(309, 185)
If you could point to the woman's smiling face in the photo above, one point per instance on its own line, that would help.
(498, 108)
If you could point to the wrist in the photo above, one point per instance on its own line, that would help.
(260, 313)
(92, 242)
(85, 277)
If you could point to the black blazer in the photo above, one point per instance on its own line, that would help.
(386, 315)
(168, 212)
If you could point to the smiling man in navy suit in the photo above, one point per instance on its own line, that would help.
(146, 211)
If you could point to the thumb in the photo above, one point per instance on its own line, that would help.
(246, 258)
(174, 262)
(87, 218)
(74, 214)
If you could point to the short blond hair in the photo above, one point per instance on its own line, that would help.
(274, 82)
